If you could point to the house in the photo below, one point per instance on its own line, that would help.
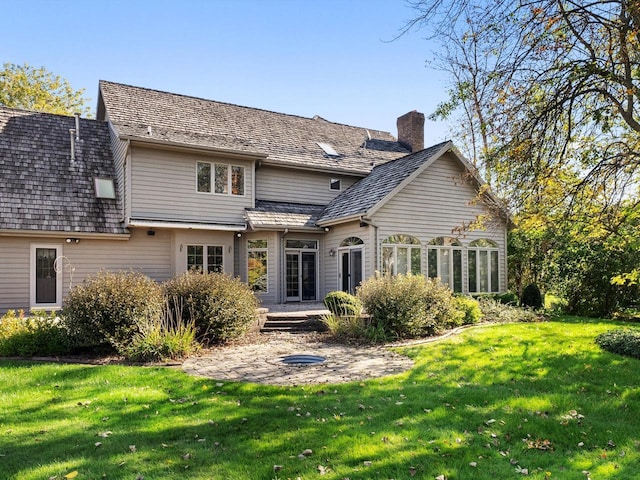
(295, 206)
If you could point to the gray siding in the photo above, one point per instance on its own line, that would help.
(119, 149)
(435, 204)
(298, 186)
(163, 187)
(150, 255)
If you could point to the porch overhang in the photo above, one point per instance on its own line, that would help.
(149, 223)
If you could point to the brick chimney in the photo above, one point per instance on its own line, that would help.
(411, 130)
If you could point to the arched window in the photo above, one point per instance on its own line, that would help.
(401, 254)
(444, 261)
(483, 266)
(351, 241)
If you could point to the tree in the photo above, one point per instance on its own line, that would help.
(30, 88)
(548, 86)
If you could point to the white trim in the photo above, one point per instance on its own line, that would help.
(186, 226)
(32, 277)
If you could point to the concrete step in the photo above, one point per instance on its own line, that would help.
(293, 323)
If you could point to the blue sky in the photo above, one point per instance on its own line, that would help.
(333, 58)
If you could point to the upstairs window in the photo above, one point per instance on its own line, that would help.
(226, 179)
(335, 184)
(401, 254)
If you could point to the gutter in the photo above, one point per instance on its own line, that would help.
(132, 222)
(58, 234)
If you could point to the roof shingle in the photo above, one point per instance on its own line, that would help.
(269, 214)
(40, 188)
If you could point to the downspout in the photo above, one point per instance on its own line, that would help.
(370, 223)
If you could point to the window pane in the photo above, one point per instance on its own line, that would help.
(257, 243)
(495, 284)
(302, 244)
(335, 184)
(195, 257)
(402, 266)
(473, 285)
(204, 177)
(257, 271)
(432, 258)
(222, 178)
(237, 180)
(387, 261)
(416, 268)
(457, 270)
(484, 270)
(445, 265)
(214, 259)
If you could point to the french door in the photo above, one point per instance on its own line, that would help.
(300, 275)
(350, 269)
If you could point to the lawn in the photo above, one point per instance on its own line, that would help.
(494, 402)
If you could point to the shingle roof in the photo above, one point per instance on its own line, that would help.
(287, 139)
(369, 191)
(40, 189)
(268, 214)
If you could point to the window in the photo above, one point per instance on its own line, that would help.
(444, 261)
(212, 262)
(204, 177)
(311, 244)
(483, 266)
(104, 188)
(335, 184)
(401, 254)
(257, 265)
(351, 241)
(227, 179)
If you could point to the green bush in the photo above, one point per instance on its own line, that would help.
(221, 307)
(109, 307)
(171, 338)
(622, 341)
(407, 306)
(343, 304)
(469, 309)
(531, 297)
(494, 311)
(507, 298)
(40, 334)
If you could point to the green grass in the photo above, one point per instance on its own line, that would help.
(541, 397)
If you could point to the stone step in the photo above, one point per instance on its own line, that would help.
(292, 324)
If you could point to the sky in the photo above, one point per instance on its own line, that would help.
(334, 58)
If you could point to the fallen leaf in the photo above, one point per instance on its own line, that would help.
(186, 456)
(473, 464)
(73, 474)
(322, 470)
(367, 463)
(441, 477)
(133, 448)
(277, 468)
(412, 471)
(98, 444)
(307, 451)
(105, 434)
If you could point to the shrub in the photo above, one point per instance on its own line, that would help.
(622, 341)
(110, 307)
(39, 334)
(343, 304)
(495, 311)
(221, 307)
(469, 309)
(407, 306)
(531, 297)
(507, 298)
(170, 338)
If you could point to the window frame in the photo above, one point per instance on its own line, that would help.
(206, 266)
(390, 243)
(32, 276)
(492, 251)
(230, 184)
(258, 250)
(335, 181)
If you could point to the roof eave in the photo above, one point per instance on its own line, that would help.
(149, 223)
(313, 168)
(185, 147)
(62, 234)
(335, 221)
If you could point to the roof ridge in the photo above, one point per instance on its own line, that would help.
(315, 118)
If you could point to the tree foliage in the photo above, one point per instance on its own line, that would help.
(547, 87)
(37, 89)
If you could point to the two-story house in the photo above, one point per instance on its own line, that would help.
(294, 206)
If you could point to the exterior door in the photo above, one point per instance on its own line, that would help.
(46, 282)
(350, 269)
(300, 276)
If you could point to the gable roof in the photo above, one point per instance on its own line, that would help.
(280, 215)
(288, 140)
(41, 189)
(369, 193)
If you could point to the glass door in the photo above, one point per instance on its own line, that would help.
(350, 269)
(300, 276)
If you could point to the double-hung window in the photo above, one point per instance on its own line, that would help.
(205, 258)
(444, 261)
(220, 178)
(483, 266)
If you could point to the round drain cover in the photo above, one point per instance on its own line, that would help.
(302, 360)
